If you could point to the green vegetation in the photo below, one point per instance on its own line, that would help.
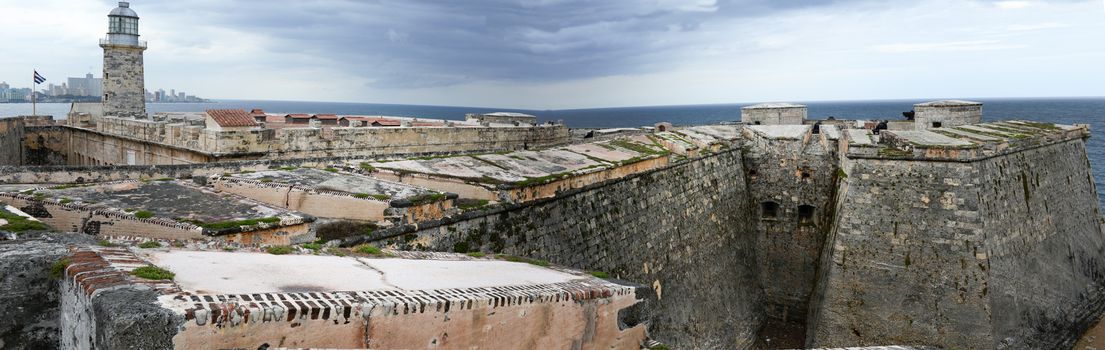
(106, 243)
(229, 248)
(471, 203)
(17, 223)
(476, 254)
(368, 167)
(65, 200)
(336, 252)
(129, 210)
(331, 169)
(164, 179)
(600, 274)
(460, 247)
(841, 174)
(143, 214)
(222, 225)
(894, 152)
(151, 272)
(58, 269)
(539, 180)
(265, 179)
(1045, 126)
(636, 147)
(280, 250)
(381, 196)
(513, 258)
(313, 246)
(659, 347)
(368, 250)
(62, 187)
(288, 168)
(149, 244)
(427, 198)
(360, 195)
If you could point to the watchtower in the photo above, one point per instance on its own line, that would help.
(774, 114)
(124, 88)
(946, 113)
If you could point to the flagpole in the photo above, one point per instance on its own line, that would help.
(34, 84)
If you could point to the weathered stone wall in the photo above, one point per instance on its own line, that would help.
(45, 145)
(11, 141)
(947, 116)
(796, 178)
(28, 291)
(683, 229)
(1044, 246)
(773, 116)
(995, 253)
(336, 141)
(124, 82)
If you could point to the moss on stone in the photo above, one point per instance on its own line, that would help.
(280, 250)
(19, 223)
(149, 244)
(57, 270)
(143, 214)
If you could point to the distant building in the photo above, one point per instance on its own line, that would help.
(774, 114)
(946, 113)
(87, 86)
(502, 118)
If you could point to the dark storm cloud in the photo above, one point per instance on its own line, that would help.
(439, 43)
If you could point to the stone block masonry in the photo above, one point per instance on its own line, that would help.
(124, 81)
(29, 292)
(996, 253)
(682, 229)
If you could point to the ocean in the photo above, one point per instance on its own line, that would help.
(1051, 110)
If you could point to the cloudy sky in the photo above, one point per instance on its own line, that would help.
(576, 53)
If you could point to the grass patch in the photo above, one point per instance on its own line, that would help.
(279, 250)
(143, 214)
(106, 243)
(427, 198)
(287, 168)
(636, 147)
(368, 250)
(313, 246)
(539, 180)
(336, 252)
(62, 187)
(149, 244)
(470, 203)
(17, 223)
(265, 179)
(164, 179)
(660, 347)
(368, 167)
(65, 200)
(151, 272)
(229, 248)
(600, 274)
(331, 169)
(841, 174)
(58, 268)
(477, 254)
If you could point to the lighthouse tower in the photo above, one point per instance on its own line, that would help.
(124, 84)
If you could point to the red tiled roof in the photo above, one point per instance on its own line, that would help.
(231, 117)
(274, 119)
(326, 116)
(381, 121)
(298, 116)
(256, 111)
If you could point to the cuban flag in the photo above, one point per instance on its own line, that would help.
(38, 78)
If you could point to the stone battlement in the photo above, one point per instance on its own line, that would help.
(965, 143)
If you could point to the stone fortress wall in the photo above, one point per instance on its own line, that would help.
(679, 229)
(912, 239)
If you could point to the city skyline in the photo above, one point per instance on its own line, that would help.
(568, 54)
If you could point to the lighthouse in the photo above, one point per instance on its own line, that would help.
(124, 87)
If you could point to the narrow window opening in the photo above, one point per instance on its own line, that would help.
(937, 124)
(769, 210)
(805, 214)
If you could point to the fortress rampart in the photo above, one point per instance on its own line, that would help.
(952, 237)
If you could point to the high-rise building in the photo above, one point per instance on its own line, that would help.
(87, 86)
(124, 77)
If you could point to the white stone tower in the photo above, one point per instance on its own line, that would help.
(124, 92)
